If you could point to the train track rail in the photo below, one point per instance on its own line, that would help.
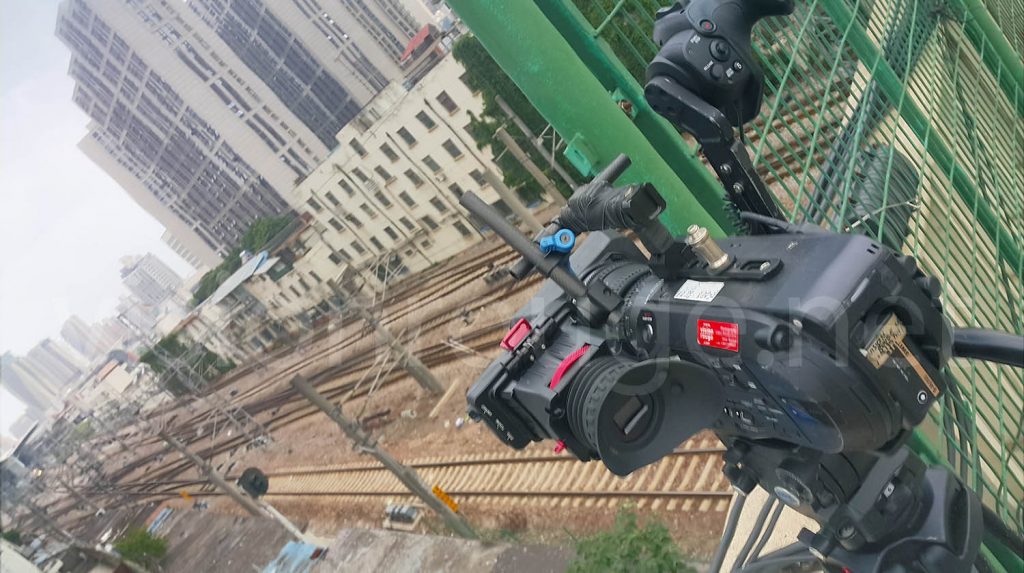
(687, 479)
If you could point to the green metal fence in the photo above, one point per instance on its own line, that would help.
(900, 118)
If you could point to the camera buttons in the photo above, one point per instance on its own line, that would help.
(720, 50)
(707, 26)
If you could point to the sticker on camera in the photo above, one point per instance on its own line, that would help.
(699, 291)
(721, 335)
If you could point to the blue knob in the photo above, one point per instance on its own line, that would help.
(562, 241)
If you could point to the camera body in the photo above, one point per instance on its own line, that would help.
(818, 340)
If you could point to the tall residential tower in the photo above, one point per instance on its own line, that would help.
(207, 112)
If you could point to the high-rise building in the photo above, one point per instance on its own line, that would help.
(38, 378)
(93, 340)
(138, 315)
(208, 111)
(149, 279)
(198, 258)
(57, 363)
(79, 335)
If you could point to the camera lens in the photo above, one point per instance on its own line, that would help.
(634, 413)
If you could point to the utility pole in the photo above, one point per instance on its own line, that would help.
(366, 444)
(255, 507)
(406, 359)
(512, 200)
(535, 141)
(247, 503)
(522, 157)
(77, 494)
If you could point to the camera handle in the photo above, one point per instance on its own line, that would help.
(599, 205)
(706, 81)
(719, 144)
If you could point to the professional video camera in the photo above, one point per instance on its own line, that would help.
(812, 355)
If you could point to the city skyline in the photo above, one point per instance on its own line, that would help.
(57, 206)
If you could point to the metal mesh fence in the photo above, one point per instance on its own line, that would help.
(890, 117)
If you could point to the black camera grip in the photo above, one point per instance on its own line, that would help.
(597, 205)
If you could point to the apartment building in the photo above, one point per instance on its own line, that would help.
(208, 111)
(385, 202)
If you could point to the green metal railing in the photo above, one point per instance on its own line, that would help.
(906, 114)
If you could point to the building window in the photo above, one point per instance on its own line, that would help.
(383, 173)
(303, 284)
(357, 147)
(359, 249)
(382, 199)
(296, 291)
(315, 277)
(359, 174)
(468, 82)
(447, 102)
(335, 223)
(352, 220)
(391, 233)
(426, 120)
(462, 229)
(439, 205)
(407, 223)
(388, 152)
(334, 200)
(369, 212)
(344, 185)
(452, 149)
(313, 203)
(376, 243)
(429, 162)
(406, 136)
(335, 258)
(456, 190)
(413, 177)
(407, 199)
(429, 222)
(478, 177)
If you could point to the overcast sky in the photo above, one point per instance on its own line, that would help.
(63, 222)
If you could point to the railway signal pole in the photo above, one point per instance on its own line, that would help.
(406, 359)
(367, 444)
(255, 507)
(207, 470)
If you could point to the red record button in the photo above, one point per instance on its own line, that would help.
(516, 334)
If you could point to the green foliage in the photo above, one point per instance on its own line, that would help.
(12, 536)
(630, 547)
(484, 75)
(629, 34)
(82, 432)
(207, 364)
(259, 233)
(139, 546)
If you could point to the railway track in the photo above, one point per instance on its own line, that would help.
(688, 479)
(432, 355)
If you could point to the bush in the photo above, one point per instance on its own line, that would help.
(628, 547)
(12, 536)
(139, 546)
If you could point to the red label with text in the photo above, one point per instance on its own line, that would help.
(724, 335)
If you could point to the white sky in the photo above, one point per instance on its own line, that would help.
(63, 223)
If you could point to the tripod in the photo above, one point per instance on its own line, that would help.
(879, 511)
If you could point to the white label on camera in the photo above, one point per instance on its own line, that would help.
(699, 291)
